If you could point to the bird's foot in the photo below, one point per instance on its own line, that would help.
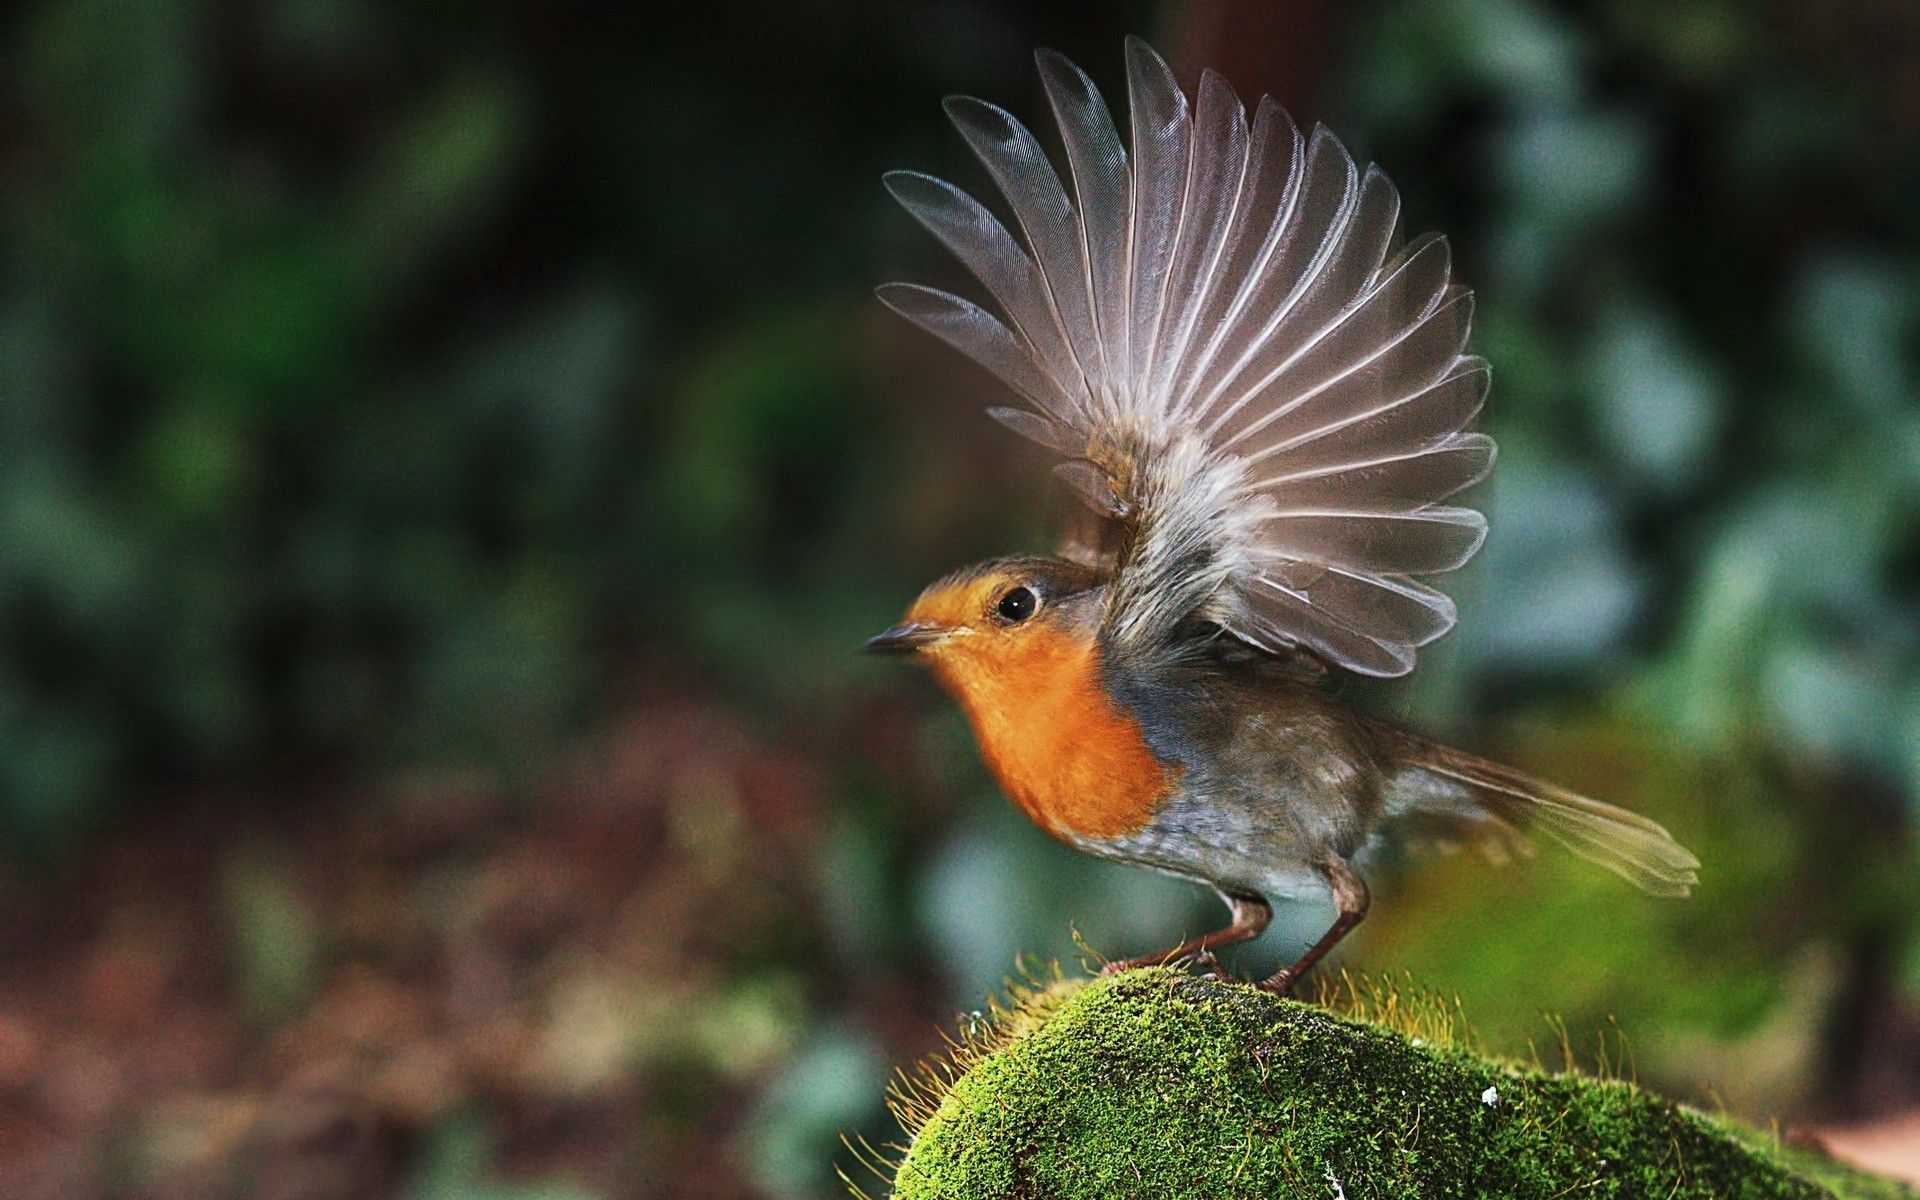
(1210, 965)
(1281, 982)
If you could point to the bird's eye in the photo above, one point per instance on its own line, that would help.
(1017, 605)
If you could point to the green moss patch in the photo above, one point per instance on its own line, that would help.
(1155, 1083)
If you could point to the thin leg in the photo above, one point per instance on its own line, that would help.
(1250, 915)
(1350, 896)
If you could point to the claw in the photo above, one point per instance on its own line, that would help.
(1281, 982)
(1210, 966)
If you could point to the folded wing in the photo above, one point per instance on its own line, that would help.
(1243, 366)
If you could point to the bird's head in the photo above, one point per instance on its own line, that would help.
(984, 620)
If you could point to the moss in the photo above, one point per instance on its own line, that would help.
(1155, 1083)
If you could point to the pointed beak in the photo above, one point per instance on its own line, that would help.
(904, 639)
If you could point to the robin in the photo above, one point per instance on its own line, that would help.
(1264, 398)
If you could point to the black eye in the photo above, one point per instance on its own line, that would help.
(1018, 604)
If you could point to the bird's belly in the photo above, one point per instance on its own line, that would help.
(1228, 846)
(1231, 836)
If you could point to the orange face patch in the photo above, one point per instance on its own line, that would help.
(1063, 751)
(962, 605)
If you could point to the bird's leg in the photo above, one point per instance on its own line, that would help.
(1350, 897)
(1249, 914)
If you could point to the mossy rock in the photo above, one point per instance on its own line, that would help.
(1159, 1084)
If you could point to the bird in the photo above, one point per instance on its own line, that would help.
(1262, 395)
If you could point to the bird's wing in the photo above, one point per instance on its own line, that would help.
(1245, 369)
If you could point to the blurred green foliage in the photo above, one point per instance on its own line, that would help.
(246, 506)
(330, 349)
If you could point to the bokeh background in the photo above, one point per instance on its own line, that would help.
(449, 453)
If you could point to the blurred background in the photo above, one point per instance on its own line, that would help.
(449, 453)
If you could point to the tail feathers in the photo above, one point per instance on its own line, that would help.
(1628, 844)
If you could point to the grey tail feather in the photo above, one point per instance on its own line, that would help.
(1628, 844)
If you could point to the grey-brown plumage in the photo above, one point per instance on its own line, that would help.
(1275, 769)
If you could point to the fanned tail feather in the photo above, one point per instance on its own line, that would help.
(1438, 779)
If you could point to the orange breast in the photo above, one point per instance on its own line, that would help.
(1063, 751)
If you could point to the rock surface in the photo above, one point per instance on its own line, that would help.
(1158, 1084)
